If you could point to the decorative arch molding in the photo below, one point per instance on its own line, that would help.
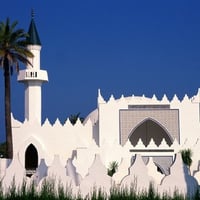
(155, 121)
(129, 119)
(38, 146)
(152, 122)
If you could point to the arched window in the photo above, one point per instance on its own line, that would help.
(31, 160)
(148, 130)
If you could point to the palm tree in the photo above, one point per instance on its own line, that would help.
(13, 48)
(73, 118)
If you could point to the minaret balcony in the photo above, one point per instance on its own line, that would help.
(29, 74)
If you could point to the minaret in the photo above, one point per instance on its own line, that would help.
(33, 77)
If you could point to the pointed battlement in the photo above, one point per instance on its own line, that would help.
(151, 100)
(100, 98)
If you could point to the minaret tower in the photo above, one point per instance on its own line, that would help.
(33, 77)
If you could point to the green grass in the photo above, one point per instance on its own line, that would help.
(48, 192)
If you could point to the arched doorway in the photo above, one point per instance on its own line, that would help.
(147, 130)
(31, 160)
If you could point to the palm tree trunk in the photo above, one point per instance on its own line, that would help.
(8, 126)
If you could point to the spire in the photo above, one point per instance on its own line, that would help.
(33, 34)
(100, 98)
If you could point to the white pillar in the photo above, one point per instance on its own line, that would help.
(33, 78)
(33, 98)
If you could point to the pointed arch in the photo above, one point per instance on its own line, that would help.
(31, 159)
(150, 129)
(37, 144)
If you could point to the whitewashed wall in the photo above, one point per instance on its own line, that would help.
(138, 174)
(99, 135)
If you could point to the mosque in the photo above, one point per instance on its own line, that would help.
(116, 130)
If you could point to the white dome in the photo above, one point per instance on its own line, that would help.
(93, 116)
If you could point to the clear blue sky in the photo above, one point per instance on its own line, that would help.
(122, 47)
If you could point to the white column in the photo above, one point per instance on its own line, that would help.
(33, 97)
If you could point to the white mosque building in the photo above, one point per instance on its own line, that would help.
(117, 130)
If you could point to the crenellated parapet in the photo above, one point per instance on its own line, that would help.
(49, 138)
(177, 116)
(149, 100)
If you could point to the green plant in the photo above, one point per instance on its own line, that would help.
(113, 166)
(3, 150)
(50, 192)
(186, 155)
(73, 118)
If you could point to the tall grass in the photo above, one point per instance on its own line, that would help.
(48, 191)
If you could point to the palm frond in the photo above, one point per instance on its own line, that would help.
(13, 43)
(13, 26)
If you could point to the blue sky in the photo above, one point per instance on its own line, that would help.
(122, 47)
